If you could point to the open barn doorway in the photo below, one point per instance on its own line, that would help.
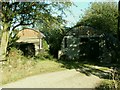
(28, 49)
(89, 48)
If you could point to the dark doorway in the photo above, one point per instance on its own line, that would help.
(89, 48)
(94, 50)
(28, 49)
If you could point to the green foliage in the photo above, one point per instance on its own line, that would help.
(43, 56)
(110, 49)
(27, 13)
(105, 85)
(45, 45)
(17, 66)
(12, 40)
(113, 82)
(14, 52)
(101, 16)
(55, 42)
(16, 14)
(54, 38)
(53, 29)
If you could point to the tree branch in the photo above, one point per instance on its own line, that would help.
(20, 24)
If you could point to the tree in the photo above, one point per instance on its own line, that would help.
(16, 14)
(102, 16)
(54, 33)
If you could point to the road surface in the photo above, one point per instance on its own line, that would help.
(60, 79)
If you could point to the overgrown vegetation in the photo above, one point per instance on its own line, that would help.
(17, 66)
(54, 35)
(112, 83)
(103, 16)
(15, 14)
(100, 16)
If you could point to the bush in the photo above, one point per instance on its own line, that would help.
(17, 66)
(44, 55)
(105, 85)
(14, 53)
(113, 83)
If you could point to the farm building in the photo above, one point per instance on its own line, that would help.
(81, 42)
(30, 41)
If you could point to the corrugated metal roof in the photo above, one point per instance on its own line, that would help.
(29, 35)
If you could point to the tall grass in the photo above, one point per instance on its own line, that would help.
(18, 66)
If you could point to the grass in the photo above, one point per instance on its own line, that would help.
(108, 85)
(110, 79)
(78, 64)
(18, 67)
(11, 74)
(105, 85)
(95, 66)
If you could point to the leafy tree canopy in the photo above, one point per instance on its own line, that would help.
(14, 14)
(102, 16)
(27, 13)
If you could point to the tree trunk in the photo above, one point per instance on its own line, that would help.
(4, 42)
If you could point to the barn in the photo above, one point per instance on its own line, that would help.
(30, 41)
(81, 42)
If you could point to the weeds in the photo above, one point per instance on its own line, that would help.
(17, 66)
(115, 77)
(44, 55)
(113, 83)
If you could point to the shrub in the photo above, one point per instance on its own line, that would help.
(112, 84)
(44, 55)
(17, 66)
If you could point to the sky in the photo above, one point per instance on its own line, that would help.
(77, 10)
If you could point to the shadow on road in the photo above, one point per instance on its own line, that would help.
(89, 68)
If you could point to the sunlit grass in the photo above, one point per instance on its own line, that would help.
(96, 67)
(17, 67)
(11, 73)
(108, 85)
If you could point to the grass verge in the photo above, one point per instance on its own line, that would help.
(11, 73)
(108, 85)
(18, 67)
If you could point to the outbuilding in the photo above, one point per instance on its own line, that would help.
(30, 41)
(81, 42)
